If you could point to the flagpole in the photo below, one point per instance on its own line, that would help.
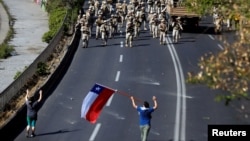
(128, 95)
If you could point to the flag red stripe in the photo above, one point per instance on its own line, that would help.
(98, 104)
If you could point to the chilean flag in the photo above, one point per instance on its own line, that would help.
(94, 102)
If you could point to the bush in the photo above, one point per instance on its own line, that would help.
(5, 50)
(57, 12)
(42, 69)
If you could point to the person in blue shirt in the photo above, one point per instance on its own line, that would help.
(144, 116)
(31, 104)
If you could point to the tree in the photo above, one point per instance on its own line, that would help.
(228, 70)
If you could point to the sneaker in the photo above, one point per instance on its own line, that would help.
(32, 135)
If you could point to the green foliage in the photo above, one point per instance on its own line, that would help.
(56, 17)
(18, 73)
(229, 69)
(5, 50)
(48, 36)
(42, 69)
(57, 10)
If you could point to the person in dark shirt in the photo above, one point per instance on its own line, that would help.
(31, 104)
(145, 116)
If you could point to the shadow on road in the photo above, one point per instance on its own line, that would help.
(58, 132)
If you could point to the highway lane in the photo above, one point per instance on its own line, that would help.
(145, 70)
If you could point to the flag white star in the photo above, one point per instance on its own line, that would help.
(97, 88)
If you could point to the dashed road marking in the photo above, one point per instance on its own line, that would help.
(220, 46)
(211, 37)
(121, 58)
(94, 133)
(117, 76)
(121, 44)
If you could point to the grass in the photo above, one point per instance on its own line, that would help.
(5, 48)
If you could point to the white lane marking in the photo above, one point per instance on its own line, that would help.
(180, 120)
(120, 32)
(121, 44)
(109, 101)
(93, 135)
(210, 36)
(121, 58)
(117, 76)
(220, 46)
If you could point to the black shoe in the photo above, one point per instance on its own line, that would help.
(27, 134)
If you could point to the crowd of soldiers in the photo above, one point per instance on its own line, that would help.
(220, 18)
(110, 17)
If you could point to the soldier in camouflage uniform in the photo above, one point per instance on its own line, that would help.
(96, 5)
(131, 7)
(154, 21)
(124, 7)
(143, 18)
(120, 15)
(113, 26)
(163, 31)
(176, 29)
(85, 34)
(137, 26)
(129, 34)
(104, 32)
(98, 23)
(149, 18)
(150, 5)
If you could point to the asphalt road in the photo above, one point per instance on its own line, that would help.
(145, 70)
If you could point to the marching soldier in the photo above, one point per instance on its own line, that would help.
(150, 16)
(176, 29)
(104, 32)
(163, 4)
(131, 7)
(218, 24)
(120, 14)
(157, 6)
(143, 18)
(141, 14)
(137, 25)
(83, 19)
(129, 17)
(98, 23)
(100, 13)
(124, 7)
(163, 30)
(154, 22)
(91, 9)
(118, 5)
(90, 18)
(85, 34)
(96, 5)
(150, 5)
(129, 34)
(79, 16)
(113, 26)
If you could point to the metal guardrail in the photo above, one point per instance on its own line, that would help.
(14, 89)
